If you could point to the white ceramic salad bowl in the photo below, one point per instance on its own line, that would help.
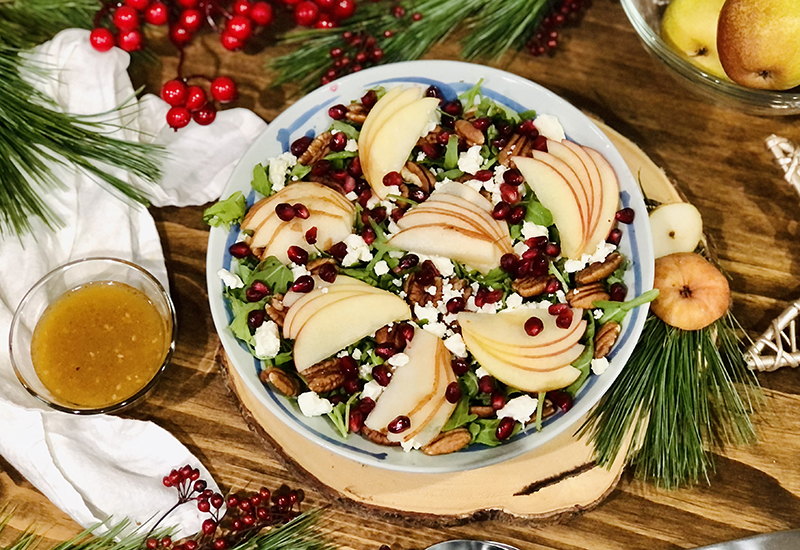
(309, 117)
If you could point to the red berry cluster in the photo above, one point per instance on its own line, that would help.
(190, 102)
(246, 514)
(321, 14)
(545, 39)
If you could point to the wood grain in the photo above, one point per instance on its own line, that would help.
(717, 156)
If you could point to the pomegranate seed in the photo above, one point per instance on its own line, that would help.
(407, 262)
(540, 143)
(301, 211)
(407, 331)
(480, 297)
(509, 193)
(498, 400)
(453, 108)
(311, 235)
(321, 168)
(564, 320)
(459, 366)
(256, 318)
(304, 284)
(557, 309)
(455, 304)
(300, 145)
(216, 500)
(509, 263)
(369, 99)
(537, 242)
(338, 251)
(533, 326)
(285, 211)
(297, 255)
(368, 234)
(504, 129)
(399, 424)
(540, 267)
(385, 350)
(382, 375)
(453, 392)
(352, 385)
(482, 123)
(505, 428)
(328, 273)
(532, 254)
(392, 179)
(365, 405)
(527, 129)
(431, 151)
(338, 141)
(378, 214)
(483, 175)
(434, 91)
(513, 177)
(443, 138)
(625, 215)
(354, 168)
(337, 112)
(552, 250)
(486, 384)
(618, 292)
(499, 142)
(257, 291)
(356, 421)
(209, 526)
(494, 296)
(501, 211)
(336, 399)
(349, 367)
(517, 214)
(614, 237)
(240, 250)
(560, 399)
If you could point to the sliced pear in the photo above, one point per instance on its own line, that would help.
(392, 143)
(565, 355)
(476, 250)
(610, 187)
(596, 193)
(556, 194)
(574, 162)
(569, 338)
(394, 100)
(465, 192)
(275, 240)
(301, 192)
(433, 216)
(499, 228)
(508, 327)
(574, 182)
(300, 312)
(336, 325)
(676, 227)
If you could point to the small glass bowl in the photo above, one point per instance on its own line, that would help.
(645, 16)
(54, 285)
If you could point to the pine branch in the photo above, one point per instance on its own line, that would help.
(26, 23)
(683, 394)
(503, 26)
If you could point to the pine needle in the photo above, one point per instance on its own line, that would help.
(502, 26)
(26, 23)
(684, 394)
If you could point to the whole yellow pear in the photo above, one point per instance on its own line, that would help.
(690, 28)
(759, 42)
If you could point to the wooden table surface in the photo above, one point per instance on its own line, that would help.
(716, 155)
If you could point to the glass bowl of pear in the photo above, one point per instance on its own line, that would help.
(740, 53)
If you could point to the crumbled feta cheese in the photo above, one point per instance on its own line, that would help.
(470, 161)
(351, 196)
(229, 279)
(352, 146)
(456, 345)
(397, 282)
(373, 202)
(396, 253)
(448, 293)
(357, 250)
(477, 185)
(268, 341)
(393, 228)
(365, 370)
(421, 156)
(432, 124)
(398, 360)
(549, 127)
(562, 298)
(513, 300)
(499, 170)
(603, 250)
(443, 265)
(489, 308)
(431, 290)
(324, 290)
(278, 168)
(312, 404)
(520, 408)
(298, 270)
(410, 445)
(381, 268)
(572, 266)
(520, 247)
(356, 354)
(437, 329)
(449, 318)
(531, 230)
(427, 313)
(599, 366)
(597, 313)
(372, 389)
(481, 372)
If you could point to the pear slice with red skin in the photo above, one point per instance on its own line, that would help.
(545, 364)
(557, 195)
(500, 229)
(292, 194)
(574, 182)
(692, 292)
(477, 250)
(608, 209)
(596, 194)
(569, 157)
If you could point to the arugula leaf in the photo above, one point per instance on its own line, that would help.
(469, 384)
(537, 213)
(453, 174)
(584, 361)
(616, 311)
(460, 416)
(273, 273)
(527, 115)
(340, 126)
(338, 417)
(340, 155)
(239, 326)
(468, 98)
(483, 431)
(226, 212)
(261, 181)
(451, 153)
(299, 171)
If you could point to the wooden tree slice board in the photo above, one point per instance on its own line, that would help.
(543, 486)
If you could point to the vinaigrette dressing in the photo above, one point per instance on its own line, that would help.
(99, 344)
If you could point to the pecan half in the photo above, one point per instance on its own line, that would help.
(317, 149)
(418, 175)
(599, 270)
(605, 338)
(471, 135)
(481, 411)
(325, 376)
(515, 144)
(377, 437)
(584, 296)
(448, 442)
(357, 113)
(417, 293)
(530, 286)
(276, 310)
(281, 380)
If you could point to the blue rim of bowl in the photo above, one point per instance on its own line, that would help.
(289, 125)
(128, 401)
(766, 101)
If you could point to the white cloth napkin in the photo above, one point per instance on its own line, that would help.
(104, 466)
